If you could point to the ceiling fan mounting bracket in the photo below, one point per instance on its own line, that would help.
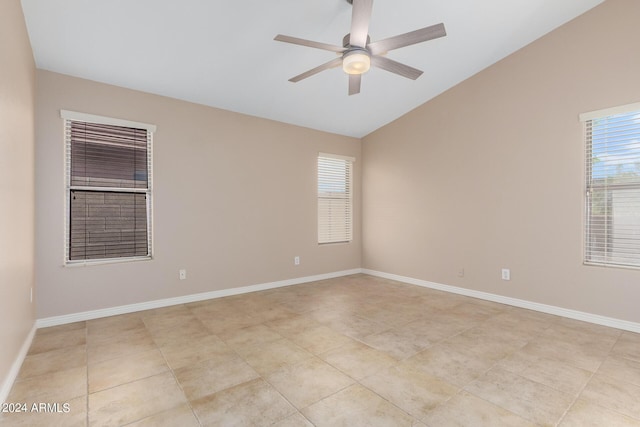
(347, 38)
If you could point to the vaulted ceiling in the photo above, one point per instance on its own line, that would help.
(222, 53)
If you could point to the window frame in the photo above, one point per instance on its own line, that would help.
(608, 255)
(69, 116)
(348, 235)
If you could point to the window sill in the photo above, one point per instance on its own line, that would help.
(605, 265)
(87, 263)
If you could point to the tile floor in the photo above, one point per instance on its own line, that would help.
(352, 351)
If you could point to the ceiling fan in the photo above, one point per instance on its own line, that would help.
(358, 53)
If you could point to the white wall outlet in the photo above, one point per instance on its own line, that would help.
(31, 295)
(461, 272)
(183, 274)
(296, 260)
(506, 274)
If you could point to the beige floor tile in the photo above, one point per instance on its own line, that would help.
(218, 308)
(268, 357)
(217, 324)
(168, 317)
(386, 316)
(209, 347)
(184, 334)
(356, 406)
(300, 304)
(399, 343)
(72, 413)
(596, 341)
(295, 420)
(181, 416)
(121, 370)
(454, 364)
(56, 340)
(251, 403)
(62, 328)
(356, 327)
(358, 360)
(440, 300)
(476, 311)
(435, 328)
(250, 336)
(124, 344)
(587, 414)
(533, 401)
(320, 339)
(107, 328)
(53, 361)
(573, 353)
(618, 396)
(210, 376)
(130, 328)
(554, 373)
(134, 401)
(467, 410)
(621, 369)
(518, 326)
(598, 331)
(59, 386)
(410, 389)
(293, 325)
(487, 343)
(628, 346)
(271, 312)
(309, 381)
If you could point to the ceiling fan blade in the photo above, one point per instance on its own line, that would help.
(407, 39)
(395, 67)
(360, 18)
(354, 83)
(331, 64)
(309, 43)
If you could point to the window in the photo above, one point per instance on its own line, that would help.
(108, 175)
(612, 232)
(335, 206)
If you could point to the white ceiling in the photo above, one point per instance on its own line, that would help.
(222, 53)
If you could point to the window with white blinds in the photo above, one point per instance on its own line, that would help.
(108, 173)
(612, 232)
(335, 198)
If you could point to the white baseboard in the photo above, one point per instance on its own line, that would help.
(544, 308)
(112, 311)
(17, 364)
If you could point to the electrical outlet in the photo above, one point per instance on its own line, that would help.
(183, 274)
(31, 295)
(461, 272)
(296, 260)
(506, 274)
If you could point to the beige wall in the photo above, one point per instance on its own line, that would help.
(490, 174)
(17, 100)
(234, 200)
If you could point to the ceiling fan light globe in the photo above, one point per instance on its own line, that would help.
(357, 62)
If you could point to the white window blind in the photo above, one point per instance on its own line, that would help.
(612, 232)
(335, 198)
(108, 172)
